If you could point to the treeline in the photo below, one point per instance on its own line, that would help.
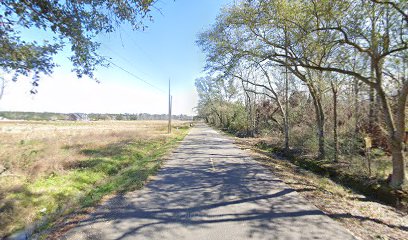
(321, 75)
(47, 116)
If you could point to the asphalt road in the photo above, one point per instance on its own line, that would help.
(209, 189)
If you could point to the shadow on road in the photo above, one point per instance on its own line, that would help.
(210, 189)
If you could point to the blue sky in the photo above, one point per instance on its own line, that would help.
(166, 49)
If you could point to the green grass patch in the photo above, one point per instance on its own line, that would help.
(116, 167)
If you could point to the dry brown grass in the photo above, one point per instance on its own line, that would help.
(365, 218)
(33, 149)
(43, 164)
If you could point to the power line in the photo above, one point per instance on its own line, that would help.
(143, 51)
(135, 76)
(121, 57)
(110, 49)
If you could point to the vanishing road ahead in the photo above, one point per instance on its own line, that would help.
(209, 189)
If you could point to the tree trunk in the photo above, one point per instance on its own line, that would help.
(396, 130)
(335, 139)
(221, 119)
(356, 106)
(320, 126)
(398, 176)
(371, 111)
(319, 121)
(248, 111)
(374, 42)
(397, 141)
(248, 107)
(286, 129)
(286, 116)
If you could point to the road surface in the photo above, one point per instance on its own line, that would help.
(209, 189)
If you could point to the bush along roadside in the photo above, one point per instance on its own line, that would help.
(117, 168)
(375, 189)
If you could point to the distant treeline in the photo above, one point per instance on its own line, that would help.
(84, 117)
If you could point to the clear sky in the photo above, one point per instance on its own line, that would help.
(167, 49)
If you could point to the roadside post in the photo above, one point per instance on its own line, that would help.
(368, 146)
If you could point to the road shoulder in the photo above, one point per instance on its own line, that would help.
(364, 218)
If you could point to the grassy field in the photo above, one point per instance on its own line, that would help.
(49, 168)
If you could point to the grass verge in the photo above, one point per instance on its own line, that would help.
(377, 189)
(115, 167)
(365, 218)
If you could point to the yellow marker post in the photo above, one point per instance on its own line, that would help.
(368, 145)
(368, 142)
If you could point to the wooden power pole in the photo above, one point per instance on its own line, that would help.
(170, 101)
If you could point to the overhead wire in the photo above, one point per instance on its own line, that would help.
(151, 60)
(126, 60)
(135, 76)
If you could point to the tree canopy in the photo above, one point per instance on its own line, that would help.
(323, 44)
(73, 22)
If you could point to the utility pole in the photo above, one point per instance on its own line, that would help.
(170, 101)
